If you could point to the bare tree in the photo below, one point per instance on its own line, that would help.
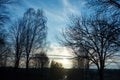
(92, 39)
(17, 38)
(41, 60)
(35, 31)
(109, 10)
(29, 34)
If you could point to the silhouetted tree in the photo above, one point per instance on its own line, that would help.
(55, 65)
(29, 34)
(92, 39)
(35, 31)
(18, 39)
(41, 60)
(57, 71)
(109, 9)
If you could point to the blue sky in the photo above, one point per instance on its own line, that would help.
(56, 11)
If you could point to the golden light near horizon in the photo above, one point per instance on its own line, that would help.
(61, 55)
(65, 62)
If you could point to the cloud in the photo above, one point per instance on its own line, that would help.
(58, 50)
(69, 8)
(58, 17)
(57, 12)
(55, 16)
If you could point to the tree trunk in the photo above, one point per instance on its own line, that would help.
(101, 73)
(42, 64)
(27, 61)
(78, 63)
(17, 62)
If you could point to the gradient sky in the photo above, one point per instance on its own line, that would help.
(56, 11)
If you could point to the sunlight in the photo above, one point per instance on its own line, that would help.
(61, 55)
(66, 63)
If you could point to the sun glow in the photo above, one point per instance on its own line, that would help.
(66, 63)
(62, 55)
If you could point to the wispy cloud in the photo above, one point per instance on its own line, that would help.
(55, 49)
(69, 8)
(57, 12)
(55, 16)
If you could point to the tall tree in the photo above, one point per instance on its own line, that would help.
(36, 31)
(17, 38)
(92, 39)
(29, 34)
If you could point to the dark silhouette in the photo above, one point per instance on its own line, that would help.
(41, 60)
(55, 65)
(109, 10)
(17, 38)
(57, 71)
(29, 35)
(92, 39)
(35, 31)
(49, 74)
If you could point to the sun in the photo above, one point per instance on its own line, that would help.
(66, 63)
(62, 55)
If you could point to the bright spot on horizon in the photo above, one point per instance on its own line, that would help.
(62, 55)
(66, 63)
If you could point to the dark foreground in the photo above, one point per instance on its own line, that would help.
(55, 74)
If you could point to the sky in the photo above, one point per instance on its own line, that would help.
(57, 13)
